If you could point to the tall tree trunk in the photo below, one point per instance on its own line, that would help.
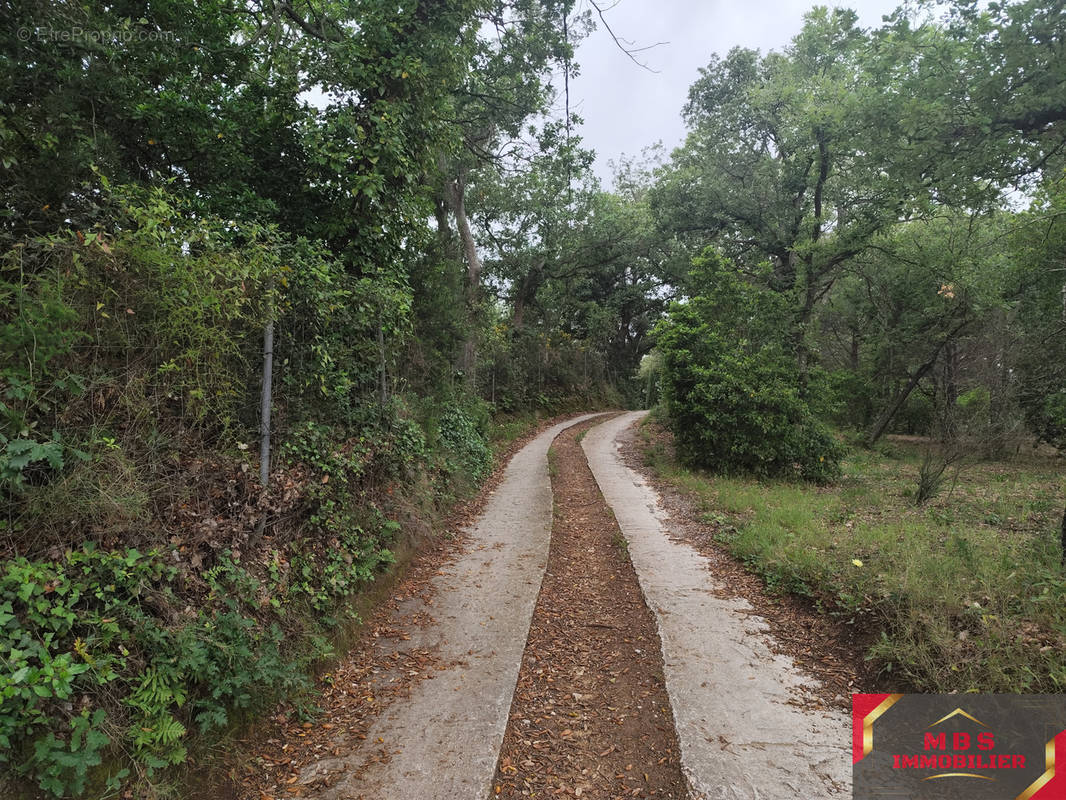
(527, 291)
(951, 369)
(473, 262)
(518, 318)
(456, 199)
(1062, 536)
(951, 389)
(802, 348)
(811, 276)
(383, 374)
(444, 231)
(901, 397)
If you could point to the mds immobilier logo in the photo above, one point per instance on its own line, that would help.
(958, 747)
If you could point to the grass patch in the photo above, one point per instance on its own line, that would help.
(968, 591)
(503, 430)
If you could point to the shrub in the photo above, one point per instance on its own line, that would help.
(347, 537)
(916, 417)
(129, 385)
(851, 397)
(731, 389)
(96, 626)
(464, 443)
(743, 413)
(1054, 416)
(932, 471)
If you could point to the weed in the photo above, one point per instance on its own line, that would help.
(88, 625)
(932, 472)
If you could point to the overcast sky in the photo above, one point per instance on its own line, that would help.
(626, 108)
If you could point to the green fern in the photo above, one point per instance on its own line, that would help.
(156, 740)
(157, 692)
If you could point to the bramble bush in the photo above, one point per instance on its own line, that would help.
(154, 315)
(462, 438)
(730, 387)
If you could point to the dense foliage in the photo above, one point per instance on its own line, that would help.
(189, 184)
(731, 386)
(867, 228)
(903, 221)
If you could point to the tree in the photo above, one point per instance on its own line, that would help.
(775, 166)
(565, 256)
(209, 173)
(917, 293)
(728, 382)
(1038, 280)
(976, 92)
(510, 82)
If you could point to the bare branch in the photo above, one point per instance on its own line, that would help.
(624, 45)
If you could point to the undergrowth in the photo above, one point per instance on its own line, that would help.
(152, 594)
(967, 593)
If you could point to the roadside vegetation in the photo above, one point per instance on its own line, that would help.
(201, 195)
(274, 276)
(867, 266)
(967, 591)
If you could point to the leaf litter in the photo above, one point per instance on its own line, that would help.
(590, 716)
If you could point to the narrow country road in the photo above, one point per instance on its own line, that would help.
(443, 741)
(740, 737)
(590, 716)
(637, 673)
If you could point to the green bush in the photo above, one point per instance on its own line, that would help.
(129, 382)
(916, 417)
(852, 398)
(154, 316)
(731, 389)
(1055, 419)
(464, 444)
(148, 331)
(93, 662)
(742, 413)
(347, 538)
